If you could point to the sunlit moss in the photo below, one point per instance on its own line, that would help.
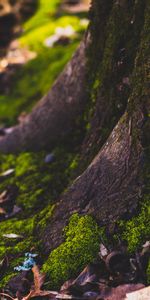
(137, 230)
(46, 9)
(44, 216)
(36, 191)
(82, 237)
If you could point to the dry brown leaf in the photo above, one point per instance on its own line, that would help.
(38, 282)
(38, 278)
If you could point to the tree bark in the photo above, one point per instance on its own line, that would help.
(114, 183)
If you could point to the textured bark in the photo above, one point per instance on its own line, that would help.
(109, 188)
(55, 116)
(112, 53)
(114, 183)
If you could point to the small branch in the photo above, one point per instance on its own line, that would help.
(8, 296)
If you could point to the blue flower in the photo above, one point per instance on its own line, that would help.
(28, 263)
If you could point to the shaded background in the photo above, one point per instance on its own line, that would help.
(37, 38)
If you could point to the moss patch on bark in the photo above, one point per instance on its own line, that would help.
(81, 245)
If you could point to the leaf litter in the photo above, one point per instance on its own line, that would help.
(116, 275)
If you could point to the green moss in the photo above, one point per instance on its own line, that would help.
(14, 249)
(25, 163)
(36, 191)
(6, 162)
(74, 163)
(24, 228)
(44, 216)
(136, 231)
(6, 279)
(45, 10)
(82, 237)
(35, 38)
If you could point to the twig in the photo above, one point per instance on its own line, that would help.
(3, 294)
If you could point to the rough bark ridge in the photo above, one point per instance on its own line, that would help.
(115, 33)
(56, 115)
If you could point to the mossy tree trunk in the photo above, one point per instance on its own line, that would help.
(113, 164)
(109, 87)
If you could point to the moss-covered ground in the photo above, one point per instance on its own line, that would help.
(14, 249)
(36, 191)
(38, 184)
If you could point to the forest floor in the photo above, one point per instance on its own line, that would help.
(31, 183)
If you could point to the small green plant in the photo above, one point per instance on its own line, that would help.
(82, 238)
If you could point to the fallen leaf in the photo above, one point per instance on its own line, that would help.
(13, 236)
(8, 172)
(103, 251)
(38, 282)
(38, 278)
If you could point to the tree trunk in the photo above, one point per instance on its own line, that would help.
(56, 115)
(114, 183)
(110, 86)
